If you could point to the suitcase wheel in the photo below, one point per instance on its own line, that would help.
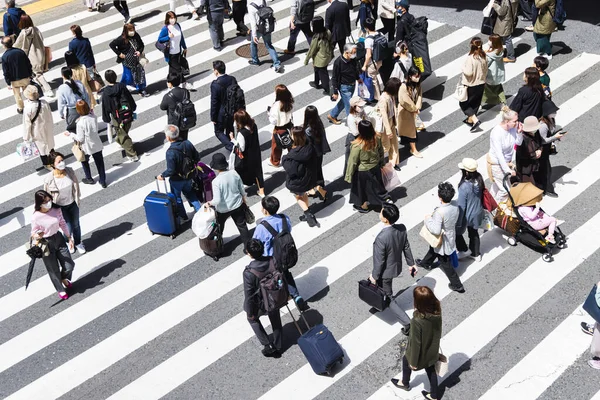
(173, 236)
(216, 258)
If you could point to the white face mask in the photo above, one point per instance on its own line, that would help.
(131, 33)
(47, 206)
(172, 21)
(352, 56)
(415, 78)
(60, 166)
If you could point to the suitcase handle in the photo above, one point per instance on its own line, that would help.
(294, 319)
(157, 187)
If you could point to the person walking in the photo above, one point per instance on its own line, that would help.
(367, 9)
(549, 134)
(115, 97)
(387, 13)
(530, 97)
(544, 26)
(364, 170)
(505, 25)
(121, 6)
(300, 168)
(176, 95)
(529, 151)
(182, 158)
(17, 70)
(344, 76)
(63, 185)
(317, 136)
(190, 6)
(129, 49)
(280, 116)
(410, 101)
(80, 74)
(301, 13)
(321, 53)
(370, 66)
(240, 9)
(470, 207)
(67, 95)
(218, 96)
(172, 33)
(493, 93)
(442, 222)
(269, 227)
(229, 197)
(249, 168)
(82, 48)
(87, 138)
(423, 348)
(259, 267)
(337, 21)
(357, 114)
(256, 36)
(404, 22)
(500, 158)
(474, 73)
(11, 18)
(387, 108)
(215, 14)
(46, 221)
(31, 41)
(38, 125)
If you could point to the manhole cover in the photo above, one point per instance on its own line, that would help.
(244, 50)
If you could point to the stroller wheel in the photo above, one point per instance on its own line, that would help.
(561, 245)
(547, 257)
(512, 241)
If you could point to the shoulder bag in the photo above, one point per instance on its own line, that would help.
(77, 152)
(250, 219)
(142, 57)
(441, 365)
(433, 240)
(460, 93)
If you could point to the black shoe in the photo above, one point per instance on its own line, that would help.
(466, 121)
(143, 93)
(475, 126)
(458, 290)
(405, 330)
(427, 395)
(314, 85)
(311, 220)
(360, 209)
(321, 197)
(104, 185)
(301, 303)
(397, 167)
(19, 111)
(88, 181)
(326, 93)
(270, 351)
(400, 385)
(302, 218)
(252, 62)
(551, 194)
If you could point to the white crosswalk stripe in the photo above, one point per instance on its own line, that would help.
(36, 348)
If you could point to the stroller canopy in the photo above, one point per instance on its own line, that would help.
(525, 194)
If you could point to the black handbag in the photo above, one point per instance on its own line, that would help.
(373, 295)
(590, 305)
(487, 26)
(163, 47)
(249, 215)
(283, 139)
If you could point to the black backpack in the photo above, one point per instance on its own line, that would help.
(184, 112)
(187, 167)
(285, 252)
(234, 99)
(381, 50)
(123, 111)
(272, 288)
(306, 11)
(266, 19)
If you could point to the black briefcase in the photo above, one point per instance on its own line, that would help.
(373, 295)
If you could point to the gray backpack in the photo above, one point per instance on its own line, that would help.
(266, 18)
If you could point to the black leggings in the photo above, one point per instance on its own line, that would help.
(121, 6)
(431, 374)
(175, 66)
(474, 242)
(322, 77)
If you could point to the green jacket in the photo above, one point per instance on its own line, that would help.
(544, 25)
(362, 160)
(424, 340)
(321, 51)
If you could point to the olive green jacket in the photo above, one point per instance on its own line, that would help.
(424, 340)
(544, 25)
(321, 51)
(362, 160)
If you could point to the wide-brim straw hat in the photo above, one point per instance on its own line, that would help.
(468, 164)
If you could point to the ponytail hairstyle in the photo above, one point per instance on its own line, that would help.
(507, 114)
(67, 74)
(476, 50)
(402, 46)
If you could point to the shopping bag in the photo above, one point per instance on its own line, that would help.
(460, 93)
(203, 221)
(431, 239)
(27, 150)
(441, 366)
(77, 152)
(390, 178)
(361, 90)
(454, 259)
(487, 223)
(250, 218)
(368, 82)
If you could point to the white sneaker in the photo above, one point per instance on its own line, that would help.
(463, 254)
(133, 159)
(476, 258)
(548, 56)
(188, 86)
(81, 248)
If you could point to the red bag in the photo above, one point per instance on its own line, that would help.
(489, 203)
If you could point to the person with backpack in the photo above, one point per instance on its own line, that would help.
(179, 107)
(544, 26)
(181, 157)
(254, 301)
(118, 107)
(262, 24)
(275, 232)
(11, 19)
(215, 14)
(321, 52)
(375, 43)
(402, 63)
(17, 70)
(337, 21)
(226, 97)
(302, 12)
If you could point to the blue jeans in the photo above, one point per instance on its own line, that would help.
(510, 48)
(185, 187)
(542, 43)
(272, 52)
(345, 92)
(71, 215)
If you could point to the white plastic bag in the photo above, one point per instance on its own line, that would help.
(203, 221)
(362, 91)
(27, 150)
(488, 9)
(374, 116)
(390, 178)
(487, 223)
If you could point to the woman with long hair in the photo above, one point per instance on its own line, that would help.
(494, 92)
(387, 107)
(423, 348)
(549, 134)
(474, 73)
(176, 55)
(321, 52)
(470, 206)
(249, 168)
(46, 221)
(364, 170)
(315, 131)
(299, 164)
(280, 115)
(67, 95)
(410, 101)
(530, 97)
(129, 49)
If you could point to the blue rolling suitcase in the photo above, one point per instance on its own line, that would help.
(319, 346)
(161, 212)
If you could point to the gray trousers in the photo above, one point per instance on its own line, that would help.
(215, 27)
(386, 285)
(59, 263)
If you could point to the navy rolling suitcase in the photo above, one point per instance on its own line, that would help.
(319, 346)
(161, 212)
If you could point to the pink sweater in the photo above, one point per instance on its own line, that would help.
(49, 222)
(530, 213)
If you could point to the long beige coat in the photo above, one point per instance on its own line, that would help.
(81, 74)
(31, 41)
(406, 111)
(387, 108)
(41, 131)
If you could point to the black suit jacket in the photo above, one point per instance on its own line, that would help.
(388, 247)
(218, 89)
(337, 20)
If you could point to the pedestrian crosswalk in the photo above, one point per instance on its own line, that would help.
(154, 318)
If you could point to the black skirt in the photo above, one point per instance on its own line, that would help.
(473, 102)
(367, 186)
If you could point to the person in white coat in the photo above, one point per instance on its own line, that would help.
(86, 135)
(38, 124)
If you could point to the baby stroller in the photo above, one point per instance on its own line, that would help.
(509, 219)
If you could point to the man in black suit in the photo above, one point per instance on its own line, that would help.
(337, 21)
(218, 91)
